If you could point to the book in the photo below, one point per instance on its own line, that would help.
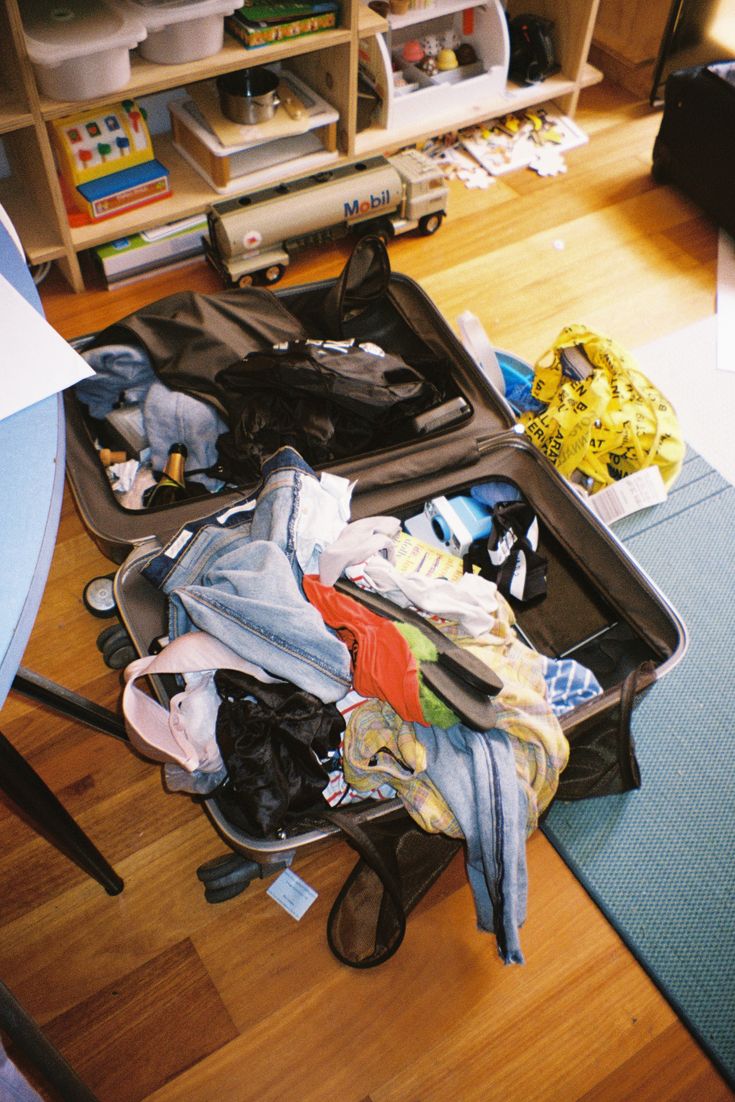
(259, 24)
(517, 139)
(252, 31)
(282, 11)
(138, 253)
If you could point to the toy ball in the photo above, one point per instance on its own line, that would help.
(447, 59)
(412, 52)
(430, 45)
(429, 66)
(466, 54)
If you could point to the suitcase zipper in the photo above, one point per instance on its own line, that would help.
(491, 441)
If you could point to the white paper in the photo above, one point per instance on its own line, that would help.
(293, 893)
(35, 361)
(725, 302)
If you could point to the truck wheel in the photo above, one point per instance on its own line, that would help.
(273, 273)
(246, 280)
(383, 229)
(430, 223)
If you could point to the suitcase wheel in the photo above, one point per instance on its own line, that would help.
(116, 647)
(222, 894)
(227, 876)
(98, 596)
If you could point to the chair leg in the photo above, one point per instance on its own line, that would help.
(68, 703)
(50, 818)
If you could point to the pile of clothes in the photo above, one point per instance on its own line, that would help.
(323, 662)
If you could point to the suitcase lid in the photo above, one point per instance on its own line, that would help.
(400, 316)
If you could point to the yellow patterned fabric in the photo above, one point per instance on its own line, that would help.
(379, 747)
(608, 425)
(523, 711)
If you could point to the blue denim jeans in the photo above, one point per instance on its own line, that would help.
(119, 369)
(475, 773)
(236, 575)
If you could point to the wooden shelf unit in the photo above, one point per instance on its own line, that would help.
(326, 61)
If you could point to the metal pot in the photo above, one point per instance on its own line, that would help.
(248, 96)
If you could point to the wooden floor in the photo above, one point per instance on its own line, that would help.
(157, 995)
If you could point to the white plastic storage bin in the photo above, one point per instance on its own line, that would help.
(80, 49)
(181, 30)
(268, 151)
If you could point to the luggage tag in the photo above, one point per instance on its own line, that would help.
(292, 893)
(638, 490)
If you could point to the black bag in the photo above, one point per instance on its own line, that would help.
(273, 739)
(695, 145)
(532, 54)
(328, 399)
(190, 337)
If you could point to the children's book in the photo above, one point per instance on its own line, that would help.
(516, 140)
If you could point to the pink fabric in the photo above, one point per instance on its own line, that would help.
(155, 731)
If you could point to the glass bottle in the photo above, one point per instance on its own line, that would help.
(171, 486)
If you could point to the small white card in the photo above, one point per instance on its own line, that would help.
(292, 893)
(635, 491)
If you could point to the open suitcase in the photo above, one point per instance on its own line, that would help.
(599, 606)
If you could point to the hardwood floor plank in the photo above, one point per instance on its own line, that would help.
(673, 1069)
(146, 1027)
(65, 948)
(445, 1018)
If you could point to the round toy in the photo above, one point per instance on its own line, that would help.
(412, 52)
(446, 60)
(466, 54)
(429, 66)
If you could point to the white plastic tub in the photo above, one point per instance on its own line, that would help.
(80, 49)
(181, 30)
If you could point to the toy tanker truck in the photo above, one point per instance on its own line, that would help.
(253, 236)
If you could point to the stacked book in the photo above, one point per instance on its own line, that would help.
(257, 23)
(131, 257)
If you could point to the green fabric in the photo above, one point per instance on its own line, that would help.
(436, 712)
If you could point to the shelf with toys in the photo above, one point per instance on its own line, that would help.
(147, 77)
(445, 65)
(328, 63)
(57, 225)
(403, 13)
